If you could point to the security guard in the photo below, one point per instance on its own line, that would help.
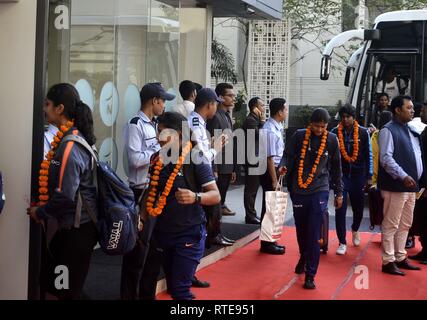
(205, 108)
(140, 144)
(275, 146)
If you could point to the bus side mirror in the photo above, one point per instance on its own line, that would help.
(325, 68)
(347, 77)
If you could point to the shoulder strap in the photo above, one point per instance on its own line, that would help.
(80, 140)
(80, 201)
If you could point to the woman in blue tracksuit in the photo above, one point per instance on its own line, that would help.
(180, 229)
(69, 174)
(357, 174)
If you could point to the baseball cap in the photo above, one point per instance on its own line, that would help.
(206, 95)
(155, 90)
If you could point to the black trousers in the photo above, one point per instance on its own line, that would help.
(267, 185)
(141, 266)
(223, 183)
(251, 189)
(71, 248)
(419, 225)
(213, 224)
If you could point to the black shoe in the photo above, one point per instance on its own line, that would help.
(271, 248)
(280, 246)
(391, 268)
(227, 239)
(220, 241)
(199, 283)
(410, 243)
(300, 268)
(227, 212)
(404, 264)
(252, 220)
(309, 282)
(420, 256)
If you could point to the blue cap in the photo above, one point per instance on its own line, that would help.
(155, 90)
(206, 95)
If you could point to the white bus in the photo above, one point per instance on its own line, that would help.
(397, 42)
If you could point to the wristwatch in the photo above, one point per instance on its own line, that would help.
(198, 198)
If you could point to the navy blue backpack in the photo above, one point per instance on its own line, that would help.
(117, 218)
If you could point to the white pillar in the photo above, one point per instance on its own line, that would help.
(17, 31)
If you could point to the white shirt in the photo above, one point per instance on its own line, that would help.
(417, 125)
(392, 89)
(386, 148)
(275, 143)
(49, 134)
(185, 108)
(198, 125)
(140, 144)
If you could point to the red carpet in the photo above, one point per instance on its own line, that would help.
(248, 274)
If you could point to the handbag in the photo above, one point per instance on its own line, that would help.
(274, 218)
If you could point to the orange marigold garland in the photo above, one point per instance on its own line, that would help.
(156, 209)
(344, 154)
(301, 183)
(44, 167)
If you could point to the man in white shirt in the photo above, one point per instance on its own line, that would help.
(206, 106)
(188, 92)
(49, 133)
(392, 84)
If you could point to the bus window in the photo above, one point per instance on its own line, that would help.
(366, 94)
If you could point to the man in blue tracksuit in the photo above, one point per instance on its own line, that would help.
(312, 149)
(357, 173)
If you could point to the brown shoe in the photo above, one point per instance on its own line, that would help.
(404, 264)
(227, 212)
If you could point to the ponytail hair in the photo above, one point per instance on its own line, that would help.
(74, 109)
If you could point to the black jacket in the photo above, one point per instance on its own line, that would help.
(69, 171)
(252, 122)
(328, 174)
(363, 164)
(222, 121)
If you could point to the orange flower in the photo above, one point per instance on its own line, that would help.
(161, 203)
(343, 151)
(301, 183)
(44, 198)
(43, 190)
(43, 184)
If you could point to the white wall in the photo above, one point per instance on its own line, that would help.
(17, 39)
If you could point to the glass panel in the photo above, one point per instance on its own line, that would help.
(109, 49)
(163, 48)
(92, 64)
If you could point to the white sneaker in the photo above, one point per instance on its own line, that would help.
(356, 238)
(342, 249)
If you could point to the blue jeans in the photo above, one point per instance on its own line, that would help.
(181, 256)
(354, 186)
(308, 214)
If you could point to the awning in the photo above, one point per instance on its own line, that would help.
(249, 9)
